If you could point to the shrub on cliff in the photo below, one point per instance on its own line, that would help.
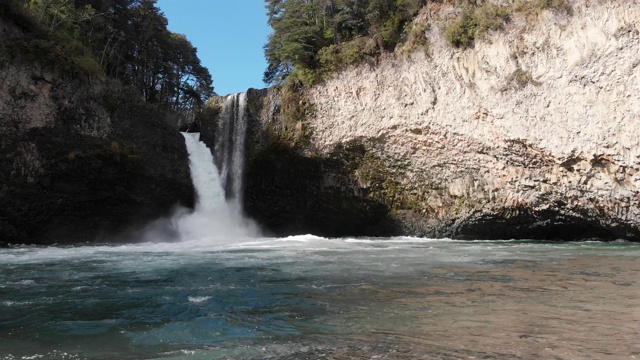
(336, 57)
(473, 24)
(416, 39)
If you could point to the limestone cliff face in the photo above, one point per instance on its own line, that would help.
(537, 127)
(535, 132)
(81, 160)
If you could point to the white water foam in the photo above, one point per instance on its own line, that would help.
(205, 178)
(198, 299)
(214, 219)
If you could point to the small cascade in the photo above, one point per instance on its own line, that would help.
(230, 141)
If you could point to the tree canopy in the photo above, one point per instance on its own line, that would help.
(313, 36)
(123, 39)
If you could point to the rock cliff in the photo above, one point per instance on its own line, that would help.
(80, 159)
(533, 133)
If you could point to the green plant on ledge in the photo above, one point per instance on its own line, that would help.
(417, 39)
(474, 24)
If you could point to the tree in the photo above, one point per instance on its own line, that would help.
(297, 36)
(305, 32)
(134, 45)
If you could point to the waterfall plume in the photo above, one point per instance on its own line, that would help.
(217, 177)
(230, 139)
(213, 219)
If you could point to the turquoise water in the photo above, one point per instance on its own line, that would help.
(279, 298)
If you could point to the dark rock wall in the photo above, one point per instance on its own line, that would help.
(289, 193)
(82, 160)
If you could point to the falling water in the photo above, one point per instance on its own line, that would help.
(213, 217)
(204, 174)
(230, 143)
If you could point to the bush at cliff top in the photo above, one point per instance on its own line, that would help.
(473, 24)
(336, 57)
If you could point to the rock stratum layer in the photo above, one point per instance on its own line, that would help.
(533, 133)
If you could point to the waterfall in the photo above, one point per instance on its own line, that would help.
(204, 174)
(230, 141)
(213, 217)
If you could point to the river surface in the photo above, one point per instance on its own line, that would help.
(307, 297)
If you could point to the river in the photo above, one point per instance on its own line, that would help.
(310, 297)
(220, 290)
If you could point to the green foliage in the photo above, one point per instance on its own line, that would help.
(473, 24)
(127, 40)
(213, 107)
(559, 5)
(462, 32)
(318, 37)
(59, 17)
(391, 30)
(417, 39)
(88, 65)
(295, 108)
(336, 57)
(114, 154)
(304, 76)
(68, 58)
(125, 153)
(312, 39)
(491, 17)
(522, 77)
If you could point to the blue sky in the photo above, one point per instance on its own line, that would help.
(229, 35)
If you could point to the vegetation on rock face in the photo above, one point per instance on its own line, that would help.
(474, 22)
(127, 40)
(314, 37)
(536, 6)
